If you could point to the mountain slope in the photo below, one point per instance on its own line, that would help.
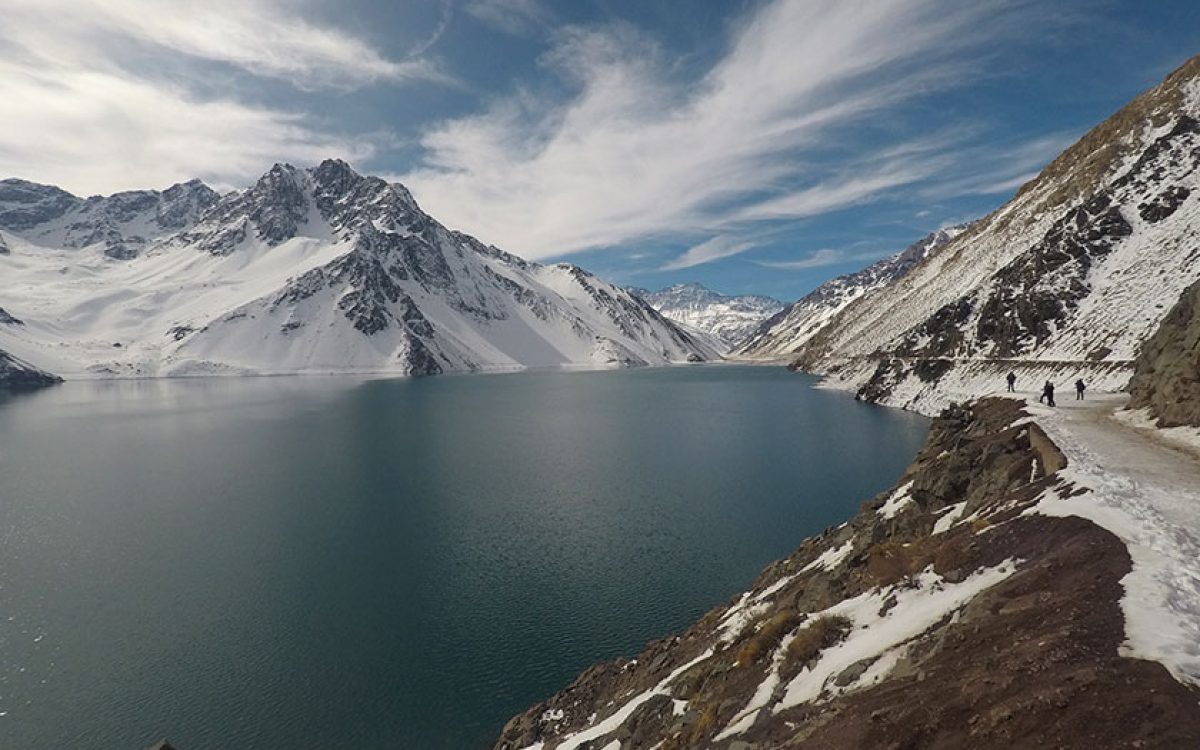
(786, 332)
(1066, 280)
(729, 318)
(317, 270)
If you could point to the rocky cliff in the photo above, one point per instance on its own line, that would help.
(957, 609)
(1166, 379)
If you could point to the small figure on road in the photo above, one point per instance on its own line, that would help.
(1012, 378)
(1047, 396)
(1079, 388)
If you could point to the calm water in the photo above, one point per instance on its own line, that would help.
(320, 563)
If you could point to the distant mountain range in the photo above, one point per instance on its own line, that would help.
(696, 306)
(310, 270)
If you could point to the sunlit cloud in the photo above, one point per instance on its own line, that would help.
(637, 153)
(80, 114)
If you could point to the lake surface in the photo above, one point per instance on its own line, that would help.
(324, 562)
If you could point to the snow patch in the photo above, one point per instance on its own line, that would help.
(916, 610)
(897, 501)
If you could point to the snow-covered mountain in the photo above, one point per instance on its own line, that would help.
(1065, 281)
(782, 335)
(309, 270)
(696, 306)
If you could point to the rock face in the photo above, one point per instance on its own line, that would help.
(1067, 280)
(730, 319)
(942, 615)
(1166, 377)
(308, 270)
(784, 333)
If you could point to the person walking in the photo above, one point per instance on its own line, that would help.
(1012, 379)
(1079, 388)
(1047, 394)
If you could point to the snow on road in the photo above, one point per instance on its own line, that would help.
(1147, 494)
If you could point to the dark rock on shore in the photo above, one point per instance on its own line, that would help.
(1167, 374)
(17, 374)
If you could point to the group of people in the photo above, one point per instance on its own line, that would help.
(1047, 396)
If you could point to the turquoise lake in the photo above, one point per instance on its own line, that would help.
(328, 562)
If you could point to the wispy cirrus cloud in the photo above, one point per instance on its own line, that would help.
(821, 258)
(706, 252)
(103, 95)
(636, 152)
(516, 17)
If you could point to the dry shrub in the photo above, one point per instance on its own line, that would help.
(890, 562)
(979, 524)
(690, 683)
(948, 556)
(768, 636)
(705, 725)
(818, 635)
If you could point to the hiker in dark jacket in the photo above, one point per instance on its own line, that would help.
(1012, 378)
(1079, 388)
(1048, 393)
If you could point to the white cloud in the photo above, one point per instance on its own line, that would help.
(637, 153)
(264, 37)
(516, 17)
(714, 249)
(826, 256)
(93, 132)
(80, 114)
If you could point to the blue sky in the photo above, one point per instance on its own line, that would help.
(756, 146)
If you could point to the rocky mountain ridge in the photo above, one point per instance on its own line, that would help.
(1065, 281)
(786, 332)
(729, 318)
(123, 223)
(309, 270)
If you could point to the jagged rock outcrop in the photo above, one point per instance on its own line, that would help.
(1166, 378)
(945, 614)
(784, 333)
(730, 318)
(1067, 280)
(308, 270)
